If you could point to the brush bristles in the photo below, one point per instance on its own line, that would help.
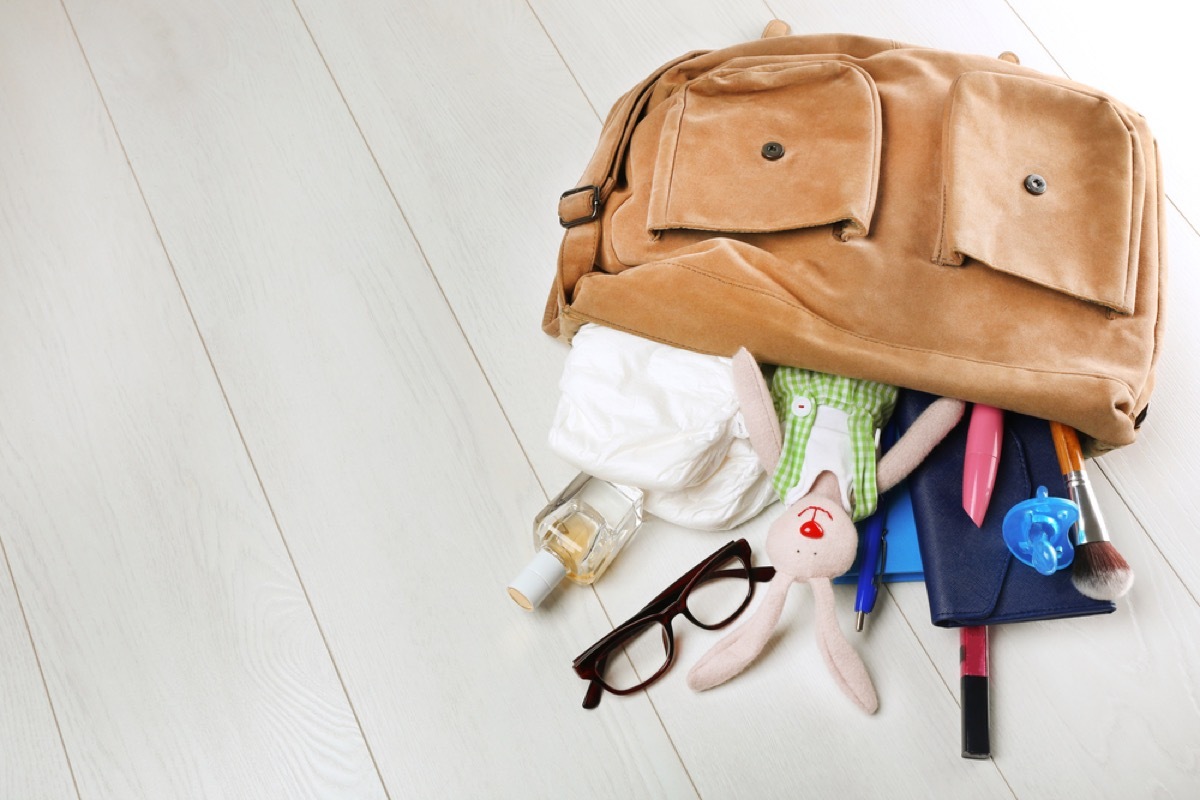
(1100, 571)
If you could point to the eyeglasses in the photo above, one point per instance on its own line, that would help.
(640, 650)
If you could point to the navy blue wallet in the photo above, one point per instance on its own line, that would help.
(970, 576)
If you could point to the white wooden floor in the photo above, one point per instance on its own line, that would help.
(274, 402)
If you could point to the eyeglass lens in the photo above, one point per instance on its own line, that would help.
(720, 593)
(644, 650)
(636, 658)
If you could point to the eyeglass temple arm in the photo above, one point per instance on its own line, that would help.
(595, 689)
(757, 574)
(668, 595)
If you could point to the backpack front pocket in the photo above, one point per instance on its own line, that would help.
(1045, 182)
(770, 148)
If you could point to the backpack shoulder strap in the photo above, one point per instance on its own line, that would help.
(579, 208)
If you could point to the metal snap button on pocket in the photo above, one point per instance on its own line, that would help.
(772, 151)
(1035, 184)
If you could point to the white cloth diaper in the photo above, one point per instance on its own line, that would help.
(646, 414)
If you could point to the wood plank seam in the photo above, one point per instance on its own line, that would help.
(483, 372)
(420, 249)
(563, 59)
(37, 658)
(1183, 216)
(229, 408)
(1145, 531)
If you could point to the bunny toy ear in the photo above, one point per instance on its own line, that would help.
(757, 410)
(734, 653)
(921, 437)
(842, 660)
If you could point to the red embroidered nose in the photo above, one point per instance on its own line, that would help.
(812, 529)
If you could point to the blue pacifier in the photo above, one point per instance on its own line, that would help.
(1037, 531)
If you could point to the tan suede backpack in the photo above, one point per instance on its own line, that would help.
(952, 223)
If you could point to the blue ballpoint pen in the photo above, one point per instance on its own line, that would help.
(874, 554)
(868, 573)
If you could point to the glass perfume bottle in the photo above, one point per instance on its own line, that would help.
(577, 536)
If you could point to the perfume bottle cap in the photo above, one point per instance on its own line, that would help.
(537, 580)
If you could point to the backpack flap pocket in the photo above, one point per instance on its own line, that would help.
(1044, 182)
(770, 147)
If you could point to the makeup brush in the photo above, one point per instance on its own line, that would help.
(1100, 571)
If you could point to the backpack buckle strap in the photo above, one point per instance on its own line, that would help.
(576, 208)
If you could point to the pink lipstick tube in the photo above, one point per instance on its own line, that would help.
(982, 459)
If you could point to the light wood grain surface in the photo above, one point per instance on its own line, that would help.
(274, 409)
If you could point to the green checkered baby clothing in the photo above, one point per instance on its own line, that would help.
(798, 393)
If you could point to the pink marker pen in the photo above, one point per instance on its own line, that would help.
(982, 459)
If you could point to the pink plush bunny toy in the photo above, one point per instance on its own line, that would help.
(824, 467)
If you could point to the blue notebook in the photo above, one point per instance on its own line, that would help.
(903, 562)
